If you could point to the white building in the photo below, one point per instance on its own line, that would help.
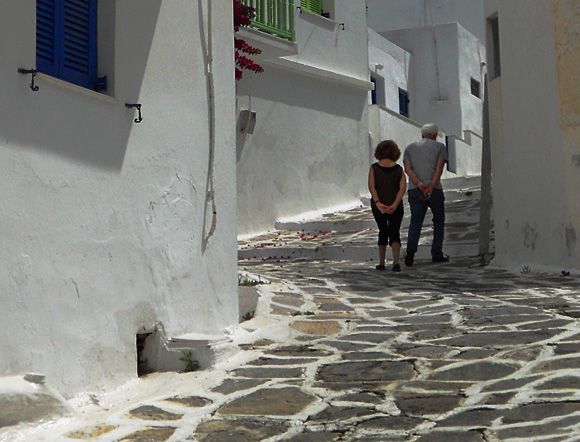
(110, 227)
(422, 74)
(390, 15)
(308, 148)
(535, 137)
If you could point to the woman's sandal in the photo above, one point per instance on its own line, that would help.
(380, 267)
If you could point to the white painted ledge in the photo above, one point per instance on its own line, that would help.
(271, 46)
(47, 79)
(321, 20)
(398, 115)
(320, 73)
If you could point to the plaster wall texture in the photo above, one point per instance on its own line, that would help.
(444, 59)
(310, 143)
(304, 154)
(323, 43)
(103, 220)
(388, 15)
(434, 90)
(537, 217)
(388, 124)
(472, 58)
(465, 154)
(395, 71)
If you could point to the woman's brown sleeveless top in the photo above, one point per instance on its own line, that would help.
(387, 182)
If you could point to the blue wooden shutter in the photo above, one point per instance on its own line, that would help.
(79, 42)
(47, 58)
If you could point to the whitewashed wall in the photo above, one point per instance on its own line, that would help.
(465, 154)
(309, 147)
(394, 73)
(388, 15)
(536, 167)
(434, 74)
(103, 220)
(472, 60)
(444, 59)
(388, 124)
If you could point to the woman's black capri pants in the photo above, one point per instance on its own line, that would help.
(389, 225)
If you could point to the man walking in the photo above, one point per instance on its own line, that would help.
(424, 162)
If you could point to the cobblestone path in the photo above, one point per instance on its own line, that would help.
(437, 353)
(341, 352)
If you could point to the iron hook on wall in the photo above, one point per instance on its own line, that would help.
(32, 73)
(138, 107)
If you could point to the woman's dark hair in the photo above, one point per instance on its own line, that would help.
(387, 149)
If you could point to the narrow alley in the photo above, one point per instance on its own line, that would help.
(338, 351)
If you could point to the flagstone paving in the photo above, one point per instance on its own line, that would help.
(446, 352)
(408, 356)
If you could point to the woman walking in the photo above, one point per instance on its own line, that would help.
(387, 185)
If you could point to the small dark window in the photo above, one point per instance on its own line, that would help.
(495, 49)
(403, 102)
(374, 91)
(475, 88)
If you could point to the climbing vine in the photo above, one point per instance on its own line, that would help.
(243, 15)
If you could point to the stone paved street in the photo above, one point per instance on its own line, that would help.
(341, 352)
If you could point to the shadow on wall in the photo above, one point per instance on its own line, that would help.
(69, 123)
(291, 89)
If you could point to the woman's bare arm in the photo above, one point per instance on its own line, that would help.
(372, 189)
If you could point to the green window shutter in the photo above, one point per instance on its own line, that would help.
(312, 5)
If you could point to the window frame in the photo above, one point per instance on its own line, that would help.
(404, 109)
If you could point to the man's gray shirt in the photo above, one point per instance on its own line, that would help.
(423, 157)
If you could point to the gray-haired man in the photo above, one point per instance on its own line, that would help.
(424, 162)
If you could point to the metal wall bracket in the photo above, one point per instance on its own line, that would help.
(32, 73)
(138, 107)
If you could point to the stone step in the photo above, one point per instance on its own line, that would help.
(461, 182)
(451, 195)
(25, 399)
(353, 253)
(350, 225)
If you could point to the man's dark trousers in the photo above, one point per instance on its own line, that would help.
(418, 210)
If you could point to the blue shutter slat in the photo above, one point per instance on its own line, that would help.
(46, 47)
(79, 45)
(66, 40)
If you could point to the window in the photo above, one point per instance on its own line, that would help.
(403, 102)
(493, 29)
(314, 6)
(66, 41)
(374, 91)
(475, 88)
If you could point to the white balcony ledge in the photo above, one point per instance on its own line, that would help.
(272, 47)
(321, 73)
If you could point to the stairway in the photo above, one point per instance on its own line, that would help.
(352, 235)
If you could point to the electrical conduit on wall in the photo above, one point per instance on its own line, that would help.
(207, 47)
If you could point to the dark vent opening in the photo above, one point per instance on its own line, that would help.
(143, 367)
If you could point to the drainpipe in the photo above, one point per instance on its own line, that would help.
(210, 205)
(486, 197)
